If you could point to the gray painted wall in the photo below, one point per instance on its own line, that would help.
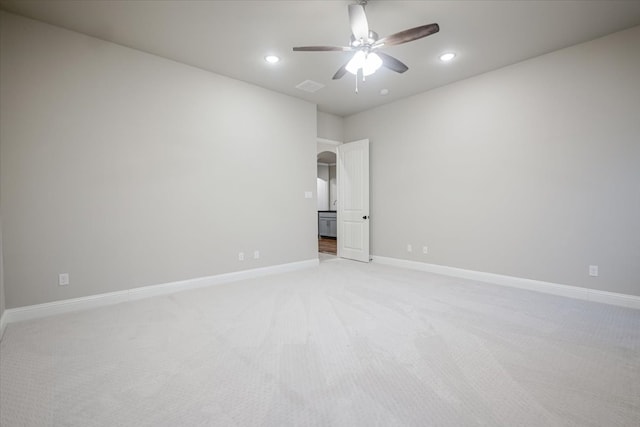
(330, 126)
(323, 187)
(2, 303)
(532, 170)
(125, 169)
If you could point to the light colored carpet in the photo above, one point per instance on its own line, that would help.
(344, 344)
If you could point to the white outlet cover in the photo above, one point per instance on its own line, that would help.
(63, 279)
(425, 249)
(308, 194)
(409, 248)
(593, 270)
(256, 254)
(240, 256)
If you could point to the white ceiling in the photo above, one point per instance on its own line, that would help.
(232, 37)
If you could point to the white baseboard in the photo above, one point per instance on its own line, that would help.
(605, 297)
(65, 306)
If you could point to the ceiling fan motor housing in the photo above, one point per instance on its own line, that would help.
(371, 39)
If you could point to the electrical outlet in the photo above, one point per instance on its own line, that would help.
(409, 248)
(425, 250)
(240, 256)
(308, 194)
(256, 254)
(593, 270)
(63, 279)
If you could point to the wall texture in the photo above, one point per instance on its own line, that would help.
(124, 169)
(2, 303)
(323, 187)
(531, 171)
(330, 126)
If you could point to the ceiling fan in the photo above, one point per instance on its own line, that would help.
(366, 44)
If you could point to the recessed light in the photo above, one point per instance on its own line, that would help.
(384, 92)
(271, 59)
(446, 57)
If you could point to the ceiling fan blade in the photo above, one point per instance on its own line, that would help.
(358, 21)
(408, 35)
(341, 72)
(323, 49)
(392, 63)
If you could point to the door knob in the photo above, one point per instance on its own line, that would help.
(365, 217)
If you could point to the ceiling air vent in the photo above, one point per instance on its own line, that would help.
(310, 86)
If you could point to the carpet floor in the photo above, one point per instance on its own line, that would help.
(343, 344)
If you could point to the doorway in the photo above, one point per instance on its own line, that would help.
(327, 203)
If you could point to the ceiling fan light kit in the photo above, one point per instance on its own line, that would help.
(369, 63)
(367, 58)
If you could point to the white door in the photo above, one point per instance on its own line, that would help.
(353, 200)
